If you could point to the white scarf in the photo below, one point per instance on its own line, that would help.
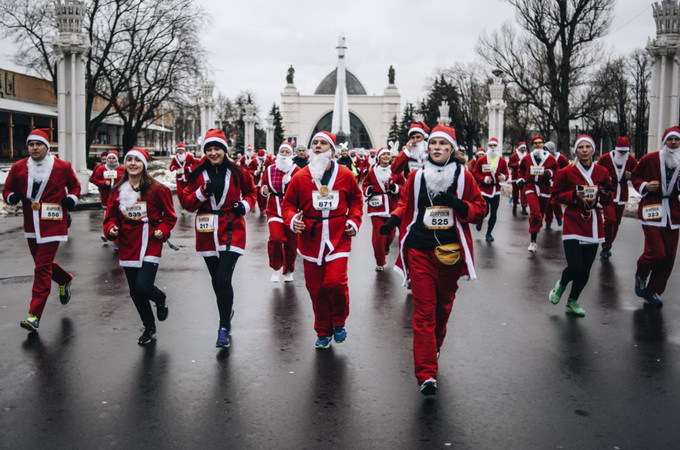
(284, 163)
(438, 178)
(127, 197)
(40, 170)
(382, 174)
(113, 166)
(539, 154)
(670, 157)
(318, 164)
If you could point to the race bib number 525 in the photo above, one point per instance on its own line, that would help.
(438, 218)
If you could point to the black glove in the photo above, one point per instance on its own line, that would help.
(14, 198)
(208, 189)
(393, 188)
(391, 224)
(459, 206)
(369, 191)
(238, 209)
(68, 220)
(68, 203)
(520, 183)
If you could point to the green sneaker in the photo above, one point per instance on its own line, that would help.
(574, 307)
(556, 294)
(30, 323)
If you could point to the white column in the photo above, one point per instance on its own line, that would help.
(249, 121)
(270, 128)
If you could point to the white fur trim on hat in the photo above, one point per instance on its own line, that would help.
(287, 145)
(383, 151)
(215, 139)
(37, 137)
(325, 137)
(139, 155)
(447, 136)
(586, 139)
(417, 130)
(665, 137)
(621, 149)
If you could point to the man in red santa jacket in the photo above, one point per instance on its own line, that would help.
(47, 187)
(415, 150)
(490, 171)
(182, 163)
(104, 176)
(323, 203)
(259, 162)
(656, 179)
(620, 164)
(518, 197)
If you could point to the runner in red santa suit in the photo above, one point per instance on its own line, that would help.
(478, 154)
(382, 188)
(536, 171)
(518, 197)
(282, 243)
(182, 163)
(323, 203)
(555, 209)
(580, 186)
(490, 171)
(414, 152)
(222, 194)
(47, 187)
(620, 164)
(257, 166)
(140, 216)
(435, 247)
(656, 179)
(105, 176)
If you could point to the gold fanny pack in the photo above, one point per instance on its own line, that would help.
(449, 254)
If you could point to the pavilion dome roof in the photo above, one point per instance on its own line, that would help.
(329, 83)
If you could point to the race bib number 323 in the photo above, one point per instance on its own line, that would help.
(652, 212)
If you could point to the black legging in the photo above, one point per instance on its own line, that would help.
(491, 211)
(221, 270)
(141, 283)
(580, 259)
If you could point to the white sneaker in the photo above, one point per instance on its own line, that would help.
(533, 247)
(288, 277)
(276, 276)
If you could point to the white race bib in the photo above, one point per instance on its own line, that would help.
(51, 211)
(110, 174)
(590, 193)
(414, 165)
(179, 171)
(136, 211)
(537, 170)
(376, 201)
(205, 223)
(652, 212)
(486, 167)
(438, 218)
(326, 203)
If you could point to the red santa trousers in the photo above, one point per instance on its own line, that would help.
(380, 242)
(46, 271)
(658, 257)
(612, 220)
(518, 196)
(327, 286)
(434, 287)
(537, 208)
(553, 209)
(281, 247)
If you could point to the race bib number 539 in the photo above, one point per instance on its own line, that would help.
(136, 211)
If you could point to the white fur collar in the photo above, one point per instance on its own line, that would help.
(40, 171)
(382, 174)
(127, 197)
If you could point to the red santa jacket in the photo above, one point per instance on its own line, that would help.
(257, 167)
(325, 218)
(404, 163)
(660, 208)
(137, 222)
(382, 201)
(44, 218)
(583, 221)
(105, 179)
(216, 225)
(513, 163)
(541, 185)
(562, 160)
(183, 168)
(482, 170)
(466, 190)
(277, 181)
(618, 175)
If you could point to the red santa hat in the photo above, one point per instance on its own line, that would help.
(180, 147)
(419, 127)
(622, 144)
(287, 145)
(538, 137)
(447, 132)
(215, 137)
(140, 153)
(584, 138)
(383, 151)
(104, 154)
(672, 131)
(522, 145)
(493, 140)
(480, 152)
(261, 153)
(112, 153)
(329, 137)
(41, 135)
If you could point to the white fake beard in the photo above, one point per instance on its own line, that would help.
(284, 163)
(318, 163)
(492, 154)
(39, 171)
(670, 157)
(438, 178)
(372, 160)
(181, 157)
(383, 174)
(418, 152)
(521, 154)
(127, 197)
(113, 166)
(620, 158)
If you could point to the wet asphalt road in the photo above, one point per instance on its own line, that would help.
(515, 372)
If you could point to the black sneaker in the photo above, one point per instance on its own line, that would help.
(640, 287)
(514, 210)
(524, 211)
(654, 300)
(429, 387)
(606, 251)
(478, 227)
(162, 309)
(65, 292)
(148, 335)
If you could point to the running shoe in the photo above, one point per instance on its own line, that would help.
(162, 309)
(288, 277)
(556, 293)
(524, 211)
(559, 222)
(65, 292)
(489, 237)
(379, 268)
(548, 225)
(184, 212)
(606, 251)
(276, 276)
(654, 300)
(223, 340)
(339, 334)
(115, 248)
(148, 335)
(533, 247)
(31, 323)
(640, 287)
(478, 227)
(103, 238)
(514, 210)
(323, 342)
(574, 307)
(428, 387)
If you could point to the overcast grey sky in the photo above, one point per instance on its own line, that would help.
(252, 43)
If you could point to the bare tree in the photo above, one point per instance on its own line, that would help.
(548, 57)
(639, 72)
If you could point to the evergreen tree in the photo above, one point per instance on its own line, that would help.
(394, 131)
(278, 126)
(406, 119)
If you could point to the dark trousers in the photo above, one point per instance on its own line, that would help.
(580, 259)
(221, 270)
(142, 290)
(491, 211)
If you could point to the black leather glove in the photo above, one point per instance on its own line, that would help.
(238, 209)
(14, 198)
(391, 224)
(520, 183)
(459, 206)
(369, 191)
(208, 189)
(393, 188)
(68, 203)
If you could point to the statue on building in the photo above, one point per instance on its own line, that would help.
(390, 75)
(291, 74)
